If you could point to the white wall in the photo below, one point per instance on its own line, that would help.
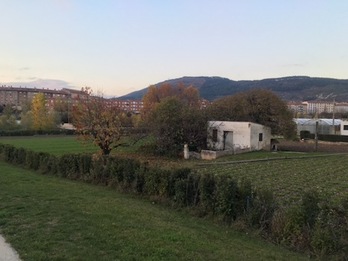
(343, 131)
(256, 144)
(245, 135)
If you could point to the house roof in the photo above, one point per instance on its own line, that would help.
(310, 122)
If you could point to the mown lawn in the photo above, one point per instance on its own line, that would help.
(56, 145)
(47, 218)
(62, 144)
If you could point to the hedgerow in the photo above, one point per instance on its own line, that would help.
(316, 225)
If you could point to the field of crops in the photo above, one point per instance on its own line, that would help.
(289, 178)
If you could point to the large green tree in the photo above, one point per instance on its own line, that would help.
(8, 119)
(257, 105)
(174, 123)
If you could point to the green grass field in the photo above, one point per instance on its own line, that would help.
(33, 203)
(289, 178)
(47, 218)
(56, 145)
(59, 145)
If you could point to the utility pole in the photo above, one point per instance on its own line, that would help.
(333, 117)
(316, 135)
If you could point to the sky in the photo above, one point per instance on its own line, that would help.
(120, 46)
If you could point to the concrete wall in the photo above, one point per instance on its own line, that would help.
(210, 154)
(256, 144)
(245, 136)
(343, 131)
(240, 130)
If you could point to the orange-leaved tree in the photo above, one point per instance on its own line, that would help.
(189, 95)
(99, 121)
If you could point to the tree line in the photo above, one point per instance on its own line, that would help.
(171, 115)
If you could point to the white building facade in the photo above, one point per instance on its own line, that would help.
(238, 136)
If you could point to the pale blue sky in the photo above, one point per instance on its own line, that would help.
(119, 46)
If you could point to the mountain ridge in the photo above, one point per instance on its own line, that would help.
(290, 88)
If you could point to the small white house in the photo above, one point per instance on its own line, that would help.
(344, 127)
(238, 136)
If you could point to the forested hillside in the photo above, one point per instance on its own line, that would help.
(296, 88)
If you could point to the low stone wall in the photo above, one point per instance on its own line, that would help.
(211, 154)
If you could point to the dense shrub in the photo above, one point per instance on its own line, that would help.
(226, 198)
(9, 153)
(207, 189)
(43, 161)
(35, 132)
(330, 231)
(156, 182)
(32, 160)
(140, 178)
(262, 211)
(21, 156)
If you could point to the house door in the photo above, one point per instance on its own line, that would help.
(228, 140)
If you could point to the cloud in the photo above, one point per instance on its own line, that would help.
(40, 83)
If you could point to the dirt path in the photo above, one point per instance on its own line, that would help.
(7, 253)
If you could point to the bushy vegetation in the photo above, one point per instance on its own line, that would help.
(172, 114)
(49, 218)
(32, 116)
(22, 132)
(316, 225)
(258, 106)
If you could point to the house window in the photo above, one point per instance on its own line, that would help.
(345, 127)
(215, 132)
(260, 136)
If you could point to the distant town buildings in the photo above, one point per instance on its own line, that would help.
(317, 107)
(20, 96)
(134, 106)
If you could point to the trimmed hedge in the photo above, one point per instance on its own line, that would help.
(209, 194)
(324, 137)
(316, 225)
(35, 132)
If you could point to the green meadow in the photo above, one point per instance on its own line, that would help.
(56, 145)
(48, 218)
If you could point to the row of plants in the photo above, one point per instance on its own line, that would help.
(288, 178)
(324, 137)
(315, 225)
(36, 132)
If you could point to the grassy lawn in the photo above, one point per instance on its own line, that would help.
(287, 178)
(47, 218)
(57, 145)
